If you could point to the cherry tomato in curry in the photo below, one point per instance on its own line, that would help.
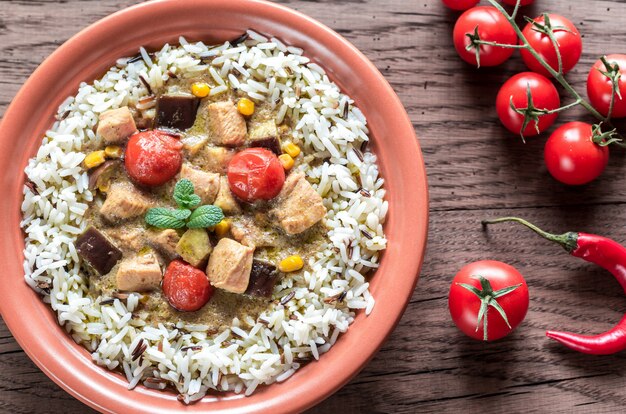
(152, 158)
(186, 287)
(255, 174)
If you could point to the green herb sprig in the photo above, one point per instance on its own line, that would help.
(188, 214)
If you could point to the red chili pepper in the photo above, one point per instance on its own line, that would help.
(604, 252)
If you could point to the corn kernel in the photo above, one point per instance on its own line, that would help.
(292, 149)
(245, 106)
(291, 264)
(93, 159)
(286, 161)
(113, 151)
(221, 228)
(200, 89)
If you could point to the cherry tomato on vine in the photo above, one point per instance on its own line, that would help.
(522, 3)
(544, 97)
(492, 26)
(460, 4)
(567, 36)
(600, 86)
(571, 155)
(496, 287)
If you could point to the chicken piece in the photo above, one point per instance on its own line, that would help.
(194, 144)
(164, 242)
(124, 201)
(248, 233)
(298, 205)
(230, 265)
(265, 135)
(116, 125)
(139, 274)
(225, 198)
(227, 125)
(127, 238)
(216, 159)
(205, 184)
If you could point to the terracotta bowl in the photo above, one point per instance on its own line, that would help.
(86, 57)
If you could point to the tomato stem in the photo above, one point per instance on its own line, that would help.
(488, 298)
(556, 75)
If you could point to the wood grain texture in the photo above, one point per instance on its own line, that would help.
(475, 170)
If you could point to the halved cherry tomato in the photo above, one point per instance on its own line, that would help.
(186, 287)
(492, 27)
(255, 174)
(153, 158)
(464, 299)
(460, 4)
(569, 42)
(572, 157)
(599, 87)
(544, 96)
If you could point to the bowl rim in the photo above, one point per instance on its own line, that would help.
(97, 396)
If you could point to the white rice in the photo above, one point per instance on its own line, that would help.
(323, 301)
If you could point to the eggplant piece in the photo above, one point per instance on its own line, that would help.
(265, 135)
(263, 277)
(270, 143)
(97, 251)
(177, 111)
(101, 174)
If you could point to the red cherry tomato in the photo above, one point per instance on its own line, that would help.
(522, 3)
(460, 4)
(465, 304)
(544, 96)
(492, 27)
(572, 157)
(568, 38)
(153, 158)
(599, 87)
(255, 174)
(186, 287)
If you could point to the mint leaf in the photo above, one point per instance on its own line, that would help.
(205, 216)
(181, 213)
(166, 218)
(182, 192)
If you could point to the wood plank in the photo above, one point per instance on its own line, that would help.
(476, 169)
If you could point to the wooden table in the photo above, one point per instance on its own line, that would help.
(476, 170)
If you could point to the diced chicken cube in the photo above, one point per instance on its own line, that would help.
(124, 201)
(194, 144)
(164, 242)
(227, 125)
(246, 232)
(265, 135)
(230, 265)
(205, 184)
(299, 206)
(225, 199)
(216, 159)
(116, 125)
(139, 274)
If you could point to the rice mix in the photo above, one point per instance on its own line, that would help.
(308, 311)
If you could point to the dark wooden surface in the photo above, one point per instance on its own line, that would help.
(476, 170)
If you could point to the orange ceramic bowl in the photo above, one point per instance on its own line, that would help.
(86, 57)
